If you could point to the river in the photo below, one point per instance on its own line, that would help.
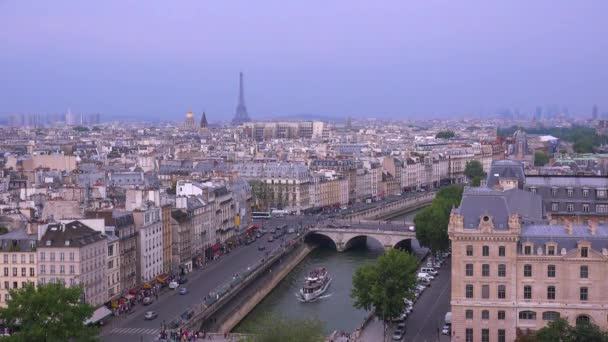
(335, 309)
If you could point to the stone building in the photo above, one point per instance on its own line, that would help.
(19, 262)
(513, 269)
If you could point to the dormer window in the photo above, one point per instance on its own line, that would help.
(48, 242)
(553, 192)
(551, 250)
(585, 192)
(584, 252)
(570, 192)
(527, 249)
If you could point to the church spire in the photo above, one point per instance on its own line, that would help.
(204, 121)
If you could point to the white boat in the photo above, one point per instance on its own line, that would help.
(315, 284)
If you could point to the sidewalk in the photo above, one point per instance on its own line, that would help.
(373, 331)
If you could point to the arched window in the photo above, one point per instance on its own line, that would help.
(550, 315)
(582, 319)
(528, 315)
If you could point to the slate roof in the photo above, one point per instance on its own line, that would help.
(74, 234)
(506, 169)
(540, 235)
(478, 202)
(567, 181)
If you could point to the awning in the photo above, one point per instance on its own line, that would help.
(99, 314)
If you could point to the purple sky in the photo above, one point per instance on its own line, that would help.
(389, 58)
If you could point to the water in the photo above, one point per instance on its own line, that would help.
(335, 308)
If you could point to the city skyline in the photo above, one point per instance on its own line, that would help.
(383, 60)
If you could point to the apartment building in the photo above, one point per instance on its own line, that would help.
(165, 216)
(113, 267)
(150, 248)
(19, 262)
(512, 269)
(74, 254)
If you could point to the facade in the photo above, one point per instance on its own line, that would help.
(74, 254)
(113, 267)
(165, 216)
(19, 262)
(512, 269)
(181, 226)
(150, 247)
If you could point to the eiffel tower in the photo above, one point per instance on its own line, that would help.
(241, 111)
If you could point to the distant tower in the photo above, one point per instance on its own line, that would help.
(241, 111)
(349, 123)
(189, 123)
(594, 112)
(203, 121)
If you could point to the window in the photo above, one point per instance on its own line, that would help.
(52, 269)
(42, 269)
(14, 271)
(527, 250)
(14, 258)
(6, 271)
(23, 258)
(15, 285)
(62, 269)
(502, 270)
(485, 314)
(554, 206)
(601, 208)
(570, 192)
(502, 292)
(584, 252)
(485, 270)
(62, 256)
(584, 272)
(502, 335)
(469, 270)
(550, 315)
(582, 320)
(501, 251)
(586, 207)
(584, 293)
(71, 256)
(553, 192)
(31, 258)
(527, 315)
(551, 271)
(570, 207)
(468, 335)
(585, 192)
(533, 190)
(6, 286)
(550, 292)
(485, 251)
(42, 256)
(527, 270)
(527, 292)
(468, 314)
(601, 193)
(32, 274)
(485, 335)
(469, 291)
(551, 250)
(485, 291)
(23, 272)
(469, 250)
(501, 315)
(52, 256)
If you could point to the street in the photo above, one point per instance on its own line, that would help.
(428, 315)
(200, 282)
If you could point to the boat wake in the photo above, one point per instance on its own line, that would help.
(301, 300)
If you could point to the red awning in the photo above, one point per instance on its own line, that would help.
(215, 247)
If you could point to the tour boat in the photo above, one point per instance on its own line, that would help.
(315, 284)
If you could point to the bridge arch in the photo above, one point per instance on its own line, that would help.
(404, 244)
(320, 239)
(361, 239)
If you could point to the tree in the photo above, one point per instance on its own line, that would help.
(445, 135)
(271, 328)
(50, 312)
(81, 129)
(381, 286)
(540, 158)
(3, 230)
(432, 222)
(559, 330)
(474, 169)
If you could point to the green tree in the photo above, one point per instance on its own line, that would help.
(540, 158)
(474, 169)
(556, 331)
(432, 222)
(560, 330)
(81, 129)
(272, 328)
(445, 135)
(381, 286)
(50, 313)
(3, 230)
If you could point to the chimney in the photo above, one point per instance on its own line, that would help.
(592, 225)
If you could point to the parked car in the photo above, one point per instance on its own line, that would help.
(270, 239)
(173, 285)
(150, 315)
(182, 280)
(291, 231)
(398, 335)
(148, 300)
(183, 291)
(429, 270)
(446, 330)
(261, 248)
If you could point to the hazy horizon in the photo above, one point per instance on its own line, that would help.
(389, 59)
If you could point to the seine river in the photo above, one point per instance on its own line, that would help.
(335, 308)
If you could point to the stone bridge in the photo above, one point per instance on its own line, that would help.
(390, 208)
(345, 234)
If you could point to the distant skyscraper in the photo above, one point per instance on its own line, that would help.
(538, 115)
(241, 111)
(594, 112)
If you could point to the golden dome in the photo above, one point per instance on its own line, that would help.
(189, 115)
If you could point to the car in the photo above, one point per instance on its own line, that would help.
(291, 231)
(261, 248)
(182, 280)
(148, 300)
(270, 239)
(401, 326)
(173, 285)
(446, 329)
(398, 335)
(150, 315)
(183, 291)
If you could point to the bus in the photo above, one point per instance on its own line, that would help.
(261, 215)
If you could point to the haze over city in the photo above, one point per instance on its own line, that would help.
(386, 59)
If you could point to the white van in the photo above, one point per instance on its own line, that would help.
(426, 276)
(429, 270)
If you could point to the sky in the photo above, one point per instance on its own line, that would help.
(388, 58)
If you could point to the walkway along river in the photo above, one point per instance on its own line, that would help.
(335, 308)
